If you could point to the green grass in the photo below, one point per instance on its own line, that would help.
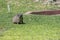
(36, 27)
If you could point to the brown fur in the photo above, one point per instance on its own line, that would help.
(18, 19)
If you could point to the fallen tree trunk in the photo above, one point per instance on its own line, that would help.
(46, 12)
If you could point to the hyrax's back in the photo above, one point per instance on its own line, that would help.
(15, 19)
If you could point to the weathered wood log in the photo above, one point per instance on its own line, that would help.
(45, 12)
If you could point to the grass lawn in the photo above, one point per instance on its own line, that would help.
(36, 27)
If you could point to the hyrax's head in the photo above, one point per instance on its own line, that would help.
(19, 15)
